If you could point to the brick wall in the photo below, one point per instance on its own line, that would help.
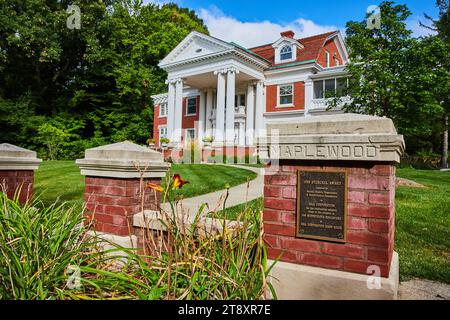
(13, 179)
(189, 122)
(157, 122)
(272, 98)
(370, 220)
(331, 47)
(112, 202)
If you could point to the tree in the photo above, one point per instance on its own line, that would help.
(395, 75)
(94, 82)
(442, 27)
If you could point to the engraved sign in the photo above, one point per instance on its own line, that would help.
(322, 205)
(321, 151)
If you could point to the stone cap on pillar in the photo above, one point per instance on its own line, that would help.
(122, 160)
(16, 158)
(348, 137)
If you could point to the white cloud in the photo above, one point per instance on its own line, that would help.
(251, 34)
(418, 31)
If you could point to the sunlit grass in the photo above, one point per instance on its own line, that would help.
(62, 180)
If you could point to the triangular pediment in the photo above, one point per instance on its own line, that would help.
(194, 46)
(284, 41)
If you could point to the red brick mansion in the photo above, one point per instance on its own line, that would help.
(223, 94)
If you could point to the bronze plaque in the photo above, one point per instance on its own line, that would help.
(322, 205)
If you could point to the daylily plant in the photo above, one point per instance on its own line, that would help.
(177, 183)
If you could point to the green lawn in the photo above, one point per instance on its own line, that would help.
(59, 180)
(62, 179)
(208, 178)
(423, 215)
(233, 212)
(423, 226)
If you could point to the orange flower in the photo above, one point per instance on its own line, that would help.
(155, 187)
(177, 182)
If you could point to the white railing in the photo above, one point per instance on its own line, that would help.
(325, 103)
(238, 112)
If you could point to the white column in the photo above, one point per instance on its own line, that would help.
(178, 112)
(231, 82)
(250, 126)
(201, 117)
(241, 135)
(170, 109)
(220, 110)
(309, 94)
(209, 107)
(259, 109)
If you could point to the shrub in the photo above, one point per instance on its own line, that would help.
(164, 140)
(208, 139)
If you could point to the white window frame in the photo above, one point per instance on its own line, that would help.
(187, 106)
(291, 52)
(186, 134)
(327, 58)
(323, 86)
(159, 131)
(166, 108)
(287, 105)
(279, 46)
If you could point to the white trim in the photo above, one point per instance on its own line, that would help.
(287, 105)
(286, 39)
(166, 108)
(187, 41)
(282, 43)
(159, 131)
(186, 134)
(160, 98)
(327, 59)
(186, 114)
(293, 54)
(342, 49)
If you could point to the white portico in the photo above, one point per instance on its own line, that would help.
(228, 80)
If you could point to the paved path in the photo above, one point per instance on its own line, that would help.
(239, 194)
(419, 289)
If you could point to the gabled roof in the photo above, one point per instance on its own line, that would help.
(312, 46)
(197, 47)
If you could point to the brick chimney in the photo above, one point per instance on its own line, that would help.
(288, 34)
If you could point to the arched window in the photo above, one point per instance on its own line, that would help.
(286, 53)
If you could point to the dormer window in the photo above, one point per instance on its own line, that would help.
(286, 53)
(286, 48)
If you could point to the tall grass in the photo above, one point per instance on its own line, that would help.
(186, 258)
(189, 257)
(37, 246)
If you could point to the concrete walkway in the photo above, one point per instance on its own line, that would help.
(420, 289)
(242, 193)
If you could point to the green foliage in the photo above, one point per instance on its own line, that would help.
(52, 137)
(191, 261)
(422, 236)
(164, 140)
(400, 77)
(93, 83)
(37, 246)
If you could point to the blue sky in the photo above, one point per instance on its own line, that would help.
(255, 22)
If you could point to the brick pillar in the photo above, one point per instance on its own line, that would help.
(370, 218)
(113, 187)
(364, 151)
(17, 166)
